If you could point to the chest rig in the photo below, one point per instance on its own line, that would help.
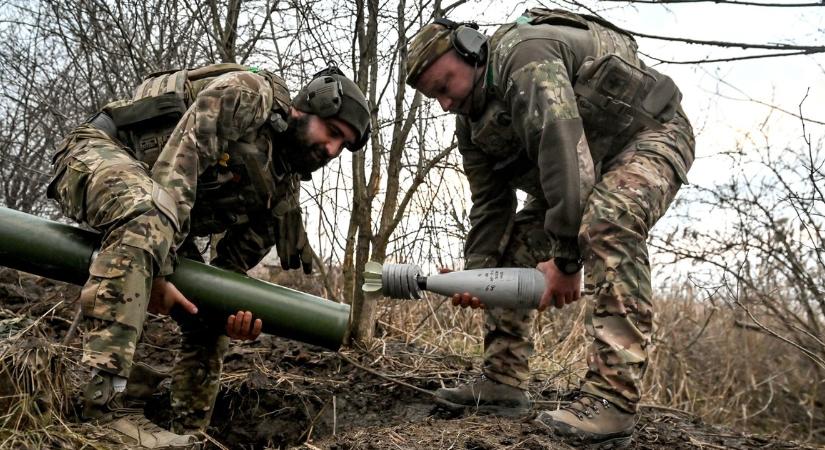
(249, 181)
(250, 175)
(617, 96)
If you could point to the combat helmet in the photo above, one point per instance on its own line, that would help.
(332, 94)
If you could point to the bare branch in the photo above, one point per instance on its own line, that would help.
(724, 2)
(807, 49)
(730, 59)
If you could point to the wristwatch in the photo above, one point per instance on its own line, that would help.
(568, 266)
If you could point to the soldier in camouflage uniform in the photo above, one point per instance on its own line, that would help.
(559, 106)
(219, 149)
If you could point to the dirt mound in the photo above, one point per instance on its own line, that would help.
(283, 394)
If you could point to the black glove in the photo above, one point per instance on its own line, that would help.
(293, 247)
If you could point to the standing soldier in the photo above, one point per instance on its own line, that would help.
(559, 106)
(219, 149)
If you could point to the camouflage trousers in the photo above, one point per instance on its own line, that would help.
(507, 341)
(634, 191)
(98, 182)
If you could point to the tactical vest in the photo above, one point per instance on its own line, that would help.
(146, 121)
(616, 94)
(248, 177)
(251, 178)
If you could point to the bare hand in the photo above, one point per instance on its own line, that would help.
(561, 289)
(464, 300)
(165, 296)
(240, 326)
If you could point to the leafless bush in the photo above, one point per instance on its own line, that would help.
(760, 359)
(769, 259)
(747, 379)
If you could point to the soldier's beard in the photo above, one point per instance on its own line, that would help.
(302, 155)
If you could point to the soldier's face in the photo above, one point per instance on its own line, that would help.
(316, 141)
(450, 81)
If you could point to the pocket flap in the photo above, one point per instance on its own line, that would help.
(110, 265)
(79, 166)
(166, 204)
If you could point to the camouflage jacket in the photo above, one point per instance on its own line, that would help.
(530, 135)
(206, 171)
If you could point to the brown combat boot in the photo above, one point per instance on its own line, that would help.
(485, 396)
(589, 420)
(124, 425)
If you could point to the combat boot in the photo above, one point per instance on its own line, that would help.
(589, 420)
(485, 396)
(124, 425)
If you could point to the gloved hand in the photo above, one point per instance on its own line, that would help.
(293, 247)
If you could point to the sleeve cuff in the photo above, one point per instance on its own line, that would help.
(167, 267)
(565, 248)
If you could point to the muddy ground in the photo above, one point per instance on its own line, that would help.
(284, 394)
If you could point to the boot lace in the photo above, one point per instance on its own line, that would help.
(586, 406)
(144, 423)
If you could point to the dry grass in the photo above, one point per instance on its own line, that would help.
(702, 363)
(738, 376)
(35, 389)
